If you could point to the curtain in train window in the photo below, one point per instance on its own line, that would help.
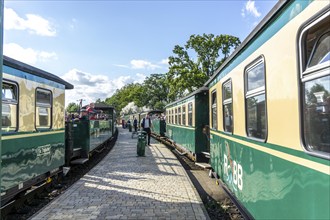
(214, 110)
(43, 109)
(315, 83)
(9, 107)
(256, 119)
(227, 107)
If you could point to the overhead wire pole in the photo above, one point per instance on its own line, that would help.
(1, 62)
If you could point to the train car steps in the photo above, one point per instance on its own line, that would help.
(203, 165)
(79, 161)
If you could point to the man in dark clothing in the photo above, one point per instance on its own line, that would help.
(135, 123)
(147, 125)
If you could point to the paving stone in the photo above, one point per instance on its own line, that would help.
(125, 186)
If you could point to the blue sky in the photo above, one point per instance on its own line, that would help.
(99, 46)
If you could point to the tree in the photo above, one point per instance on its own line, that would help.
(129, 93)
(72, 107)
(186, 75)
(155, 91)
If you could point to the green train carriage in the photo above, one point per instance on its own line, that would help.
(270, 115)
(185, 120)
(83, 137)
(33, 136)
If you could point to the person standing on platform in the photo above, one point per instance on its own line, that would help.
(135, 124)
(147, 125)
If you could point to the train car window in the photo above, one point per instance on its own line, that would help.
(176, 116)
(227, 107)
(214, 110)
(315, 85)
(9, 107)
(179, 115)
(43, 109)
(256, 117)
(172, 116)
(190, 113)
(183, 115)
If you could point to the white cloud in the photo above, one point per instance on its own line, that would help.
(90, 87)
(142, 64)
(27, 55)
(164, 61)
(250, 8)
(34, 24)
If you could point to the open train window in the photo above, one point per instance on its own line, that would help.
(255, 100)
(184, 114)
(227, 107)
(43, 109)
(9, 107)
(314, 41)
(214, 110)
(190, 114)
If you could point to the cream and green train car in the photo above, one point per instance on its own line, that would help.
(270, 115)
(33, 129)
(185, 120)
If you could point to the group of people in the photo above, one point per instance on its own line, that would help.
(87, 114)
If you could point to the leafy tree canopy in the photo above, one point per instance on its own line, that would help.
(187, 74)
(72, 107)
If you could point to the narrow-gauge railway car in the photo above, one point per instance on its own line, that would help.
(158, 123)
(33, 136)
(270, 115)
(185, 120)
(83, 137)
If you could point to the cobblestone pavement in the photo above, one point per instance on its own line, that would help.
(125, 186)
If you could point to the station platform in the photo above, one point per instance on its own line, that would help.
(125, 186)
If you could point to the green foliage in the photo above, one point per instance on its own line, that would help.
(72, 107)
(187, 72)
(129, 93)
(186, 75)
(155, 91)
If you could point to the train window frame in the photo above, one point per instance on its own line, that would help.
(257, 93)
(172, 116)
(190, 114)
(214, 110)
(10, 102)
(43, 105)
(225, 102)
(179, 115)
(184, 115)
(313, 108)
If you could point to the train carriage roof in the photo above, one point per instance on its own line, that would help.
(200, 90)
(262, 24)
(34, 71)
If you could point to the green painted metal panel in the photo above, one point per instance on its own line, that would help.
(268, 186)
(27, 156)
(201, 120)
(184, 136)
(100, 131)
(81, 136)
(159, 126)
